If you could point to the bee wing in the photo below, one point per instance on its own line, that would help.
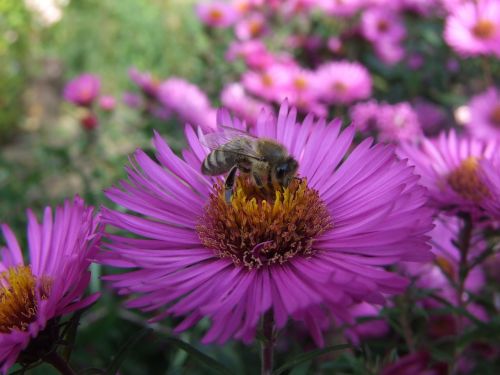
(227, 137)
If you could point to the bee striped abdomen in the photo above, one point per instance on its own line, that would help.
(218, 162)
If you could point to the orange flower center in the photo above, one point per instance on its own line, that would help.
(484, 29)
(254, 231)
(216, 15)
(382, 26)
(300, 83)
(339, 86)
(495, 116)
(465, 181)
(18, 298)
(255, 27)
(267, 80)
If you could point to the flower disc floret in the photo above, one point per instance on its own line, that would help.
(255, 231)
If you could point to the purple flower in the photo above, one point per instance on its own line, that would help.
(218, 14)
(485, 114)
(251, 27)
(415, 364)
(132, 100)
(450, 168)
(350, 214)
(431, 117)
(473, 28)
(51, 284)
(364, 116)
(83, 90)
(397, 123)
(367, 329)
(244, 106)
(382, 24)
(188, 102)
(107, 103)
(344, 82)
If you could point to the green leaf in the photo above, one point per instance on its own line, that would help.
(309, 356)
(116, 362)
(197, 355)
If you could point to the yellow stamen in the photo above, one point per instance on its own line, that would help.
(484, 29)
(255, 231)
(465, 181)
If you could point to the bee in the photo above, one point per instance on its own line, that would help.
(265, 161)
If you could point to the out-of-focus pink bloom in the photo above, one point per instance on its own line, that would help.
(415, 61)
(188, 102)
(344, 82)
(247, 108)
(132, 100)
(450, 168)
(340, 8)
(367, 329)
(253, 52)
(432, 118)
(381, 24)
(267, 84)
(473, 28)
(415, 364)
(145, 81)
(484, 119)
(364, 116)
(218, 14)
(243, 7)
(296, 7)
(389, 52)
(83, 90)
(107, 103)
(490, 175)
(397, 123)
(251, 27)
(334, 44)
(160, 112)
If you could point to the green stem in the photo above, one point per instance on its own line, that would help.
(59, 364)
(267, 344)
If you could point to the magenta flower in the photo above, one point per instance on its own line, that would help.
(83, 90)
(451, 170)
(344, 82)
(490, 176)
(188, 102)
(244, 106)
(364, 116)
(251, 27)
(145, 81)
(431, 117)
(253, 52)
(218, 14)
(107, 103)
(52, 284)
(367, 329)
(340, 8)
(485, 114)
(389, 52)
(382, 24)
(397, 123)
(350, 214)
(267, 83)
(473, 28)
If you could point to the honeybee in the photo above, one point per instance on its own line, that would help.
(265, 161)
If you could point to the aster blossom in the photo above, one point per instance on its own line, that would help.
(52, 284)
(484, 119)
(83, 90)
(308, 253)
(450, 166)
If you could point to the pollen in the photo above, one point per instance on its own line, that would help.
(19, 291)
(465, 181)
(339, 86)
(483, 29)
(300, 83)
(255, 231)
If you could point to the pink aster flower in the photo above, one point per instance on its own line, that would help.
(489, 174)
(267, 83)
(485, 114)
(389, 52)
(218, 14)
(382, 24)
(340, 8)
(83, 90)
(253, 52)
(51, 284)
(353, 211)
(398, 122)
(451, 170)
(473, 28)
(251, 27)
(372, 326)
(364, 116)
(344, 82)
(244, 106)
(188, 102)
(107, 103)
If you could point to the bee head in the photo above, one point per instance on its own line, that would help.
(286, 170)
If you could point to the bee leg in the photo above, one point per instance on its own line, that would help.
(229, 183)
